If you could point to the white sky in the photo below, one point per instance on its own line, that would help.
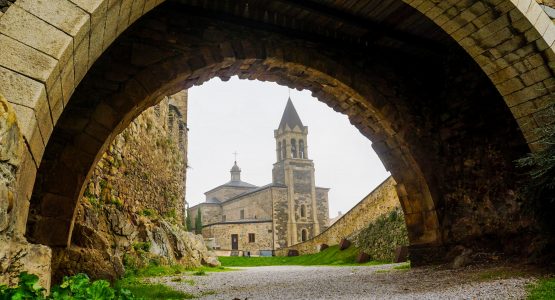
(241, 115)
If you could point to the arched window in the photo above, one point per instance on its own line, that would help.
(280, 155)
(293, 148)
(301, 149)
(304, 235)
(303, 211)
(284, 150)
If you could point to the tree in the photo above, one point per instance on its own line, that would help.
(188, 223)
(198, 223)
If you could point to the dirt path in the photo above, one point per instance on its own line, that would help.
(372, 282)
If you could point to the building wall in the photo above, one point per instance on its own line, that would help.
(381, 200)
(224, 193)
(323, 208)
(256, 206)
(209, 213)
(280, 217)
(222, 235)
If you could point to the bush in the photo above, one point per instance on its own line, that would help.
(78, 287)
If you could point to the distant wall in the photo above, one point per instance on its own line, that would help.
(381, 200)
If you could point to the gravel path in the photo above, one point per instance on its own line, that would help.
(367, 282)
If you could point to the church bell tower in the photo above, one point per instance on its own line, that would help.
(294, 170)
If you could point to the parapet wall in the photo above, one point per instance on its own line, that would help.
(381, 200)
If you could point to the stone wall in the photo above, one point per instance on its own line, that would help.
(380, 201)
(132, 211)
(222, 235)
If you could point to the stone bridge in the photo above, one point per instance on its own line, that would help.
(450, 92)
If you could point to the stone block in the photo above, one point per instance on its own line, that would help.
(29, 128)
(30, 62)
(401, 254)
(63, 14)
(112, 16)
(124, 14)
(344, 244)
(37, 34)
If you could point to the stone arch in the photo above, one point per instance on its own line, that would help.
(512, 42)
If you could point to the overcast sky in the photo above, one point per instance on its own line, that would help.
(241, 115)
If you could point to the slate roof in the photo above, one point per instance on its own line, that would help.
(290, 117)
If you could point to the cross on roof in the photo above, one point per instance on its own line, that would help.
(235, 154)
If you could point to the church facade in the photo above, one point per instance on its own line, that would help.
(239, 216)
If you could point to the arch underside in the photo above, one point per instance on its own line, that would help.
(436, 121)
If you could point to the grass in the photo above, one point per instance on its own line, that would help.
(542, 290)
(134, 282)
(405, 266)
(331, 256)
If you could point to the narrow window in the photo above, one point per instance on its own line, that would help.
(284, 149)
(223, 218)
(304, 234)
(251, 237)
(303, 210)
(280, 155)
(242, 214)
(293, 148)
(301, 149)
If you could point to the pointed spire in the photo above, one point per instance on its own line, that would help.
(290, 117)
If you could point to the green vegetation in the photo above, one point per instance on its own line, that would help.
(78, 287)
(405, 266)
(330, 256)
(383, 236)
(198, 222)
(148, 291)
(543, 290)
(199, 273)
(188, 223)
(142, 246)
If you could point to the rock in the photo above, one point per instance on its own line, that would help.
(362, 258)
(463, 259)
(293, 252)
(18, 256)
(324, 247)
(401, 254)
(344, 244)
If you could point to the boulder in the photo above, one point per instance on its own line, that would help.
(324, 247)
(401, 254)
(362, 258)
(344, 244)
(18, 256)
(463, 259)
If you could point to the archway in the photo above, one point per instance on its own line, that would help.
(400, 91)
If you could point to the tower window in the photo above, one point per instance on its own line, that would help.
(242, 213)
(223, 218)
(303, 211)
(251, 238)
(304, 235)
(284, 150)
(280, 155)
(301, 149)
(293, 148)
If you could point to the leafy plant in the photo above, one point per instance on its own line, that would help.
(78, 287)
(28, 288)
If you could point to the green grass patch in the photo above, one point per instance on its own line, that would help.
(199, 273)
(405, 266)
(542, 290)
(501, 273)
(331, 256)
(147, 291)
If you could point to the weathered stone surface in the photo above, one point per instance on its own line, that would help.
(18, 256)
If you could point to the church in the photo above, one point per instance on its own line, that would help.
(241, 218)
